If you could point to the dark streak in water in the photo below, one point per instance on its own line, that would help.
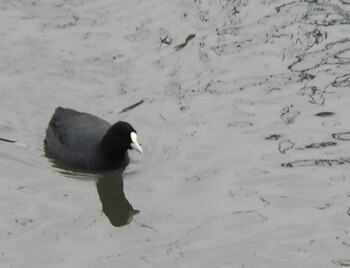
(329, 55)
(149, 227)
(320, 145)
(278, 9)
(324, 114)
(263, 218)
(265, 201)
(306, 76)
(240, 124)
(342, 262)
(342, 81)
(346, 244)
(23, 222)
(273, 137)
(317, 162)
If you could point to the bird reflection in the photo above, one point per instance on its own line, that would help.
(114, 203)
(110, 188)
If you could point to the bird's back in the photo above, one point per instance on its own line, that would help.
(74, 138)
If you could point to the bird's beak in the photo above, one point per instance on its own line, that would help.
(134, 144)
(136, 147)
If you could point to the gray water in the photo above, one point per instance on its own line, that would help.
(244, 127)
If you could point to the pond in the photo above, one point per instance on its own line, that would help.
(242, 113)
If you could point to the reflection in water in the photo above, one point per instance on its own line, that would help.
(110, 188)
(114, 203)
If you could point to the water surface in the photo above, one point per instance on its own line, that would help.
(245, 131)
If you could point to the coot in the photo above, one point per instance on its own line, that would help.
(84, 141)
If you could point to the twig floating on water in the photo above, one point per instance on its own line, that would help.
(7, 140)
(188, 38)
(132, 106)
(14, 142)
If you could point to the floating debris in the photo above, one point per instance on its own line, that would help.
(132, 106)
(166, 41)
(181, 46)
(14, 142)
